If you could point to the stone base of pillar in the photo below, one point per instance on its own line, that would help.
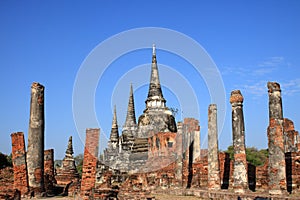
(278, 192)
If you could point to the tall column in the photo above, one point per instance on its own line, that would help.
(89, 162)
(179, 148)
(240, 177)
(35, 150)
(19, 162)
(277, 173)
(214, 182)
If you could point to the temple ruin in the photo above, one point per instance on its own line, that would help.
(156, 155)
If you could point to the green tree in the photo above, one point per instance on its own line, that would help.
(79, 162)
(5, 160)
(253, 156)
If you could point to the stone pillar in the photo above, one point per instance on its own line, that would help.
(277, 168)
(89, 162)
(214, 182)
(35, 150)
(19, 162)
(240, 177)
(179, 147)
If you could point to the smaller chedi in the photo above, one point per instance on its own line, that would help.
(67, 172)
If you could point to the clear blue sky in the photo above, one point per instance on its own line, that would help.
(251, 42)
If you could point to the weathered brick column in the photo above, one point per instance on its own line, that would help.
(35, 150)
(19, 162)
(214, 182)
(240, 177)
(89, 162)
(277, 168)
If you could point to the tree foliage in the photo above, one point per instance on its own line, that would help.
(79, 162)
(5, 160)
(253, 155)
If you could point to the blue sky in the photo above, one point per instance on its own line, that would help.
(251, 42)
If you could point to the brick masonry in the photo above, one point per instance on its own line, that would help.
(49, 178)
(19, 162)
(89, 162)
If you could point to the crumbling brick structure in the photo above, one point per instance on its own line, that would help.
(162, 150)
(19, 162)
(277, 165)
(49, 178)
(89, 162)
(240, 176)
(67, 172)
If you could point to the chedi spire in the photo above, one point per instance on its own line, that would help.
(155, 97)
(114, 134)
(130, 117)
(69, 151)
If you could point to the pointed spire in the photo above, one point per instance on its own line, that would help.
(153, 54)
(155, 91)
(130, 118)
(69, 150)
(114, 134)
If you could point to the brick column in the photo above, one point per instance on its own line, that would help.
(35, 150)
(214, 182)
(277, 168)
(89, 162)
(19, 162)
(240, 177)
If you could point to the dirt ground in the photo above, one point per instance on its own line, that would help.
(157, 197)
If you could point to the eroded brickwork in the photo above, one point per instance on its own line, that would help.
(67, 173)
(19, 162)
(277, 166)
(89, 162)
(49, 178)
(291, 137)
(6, 183)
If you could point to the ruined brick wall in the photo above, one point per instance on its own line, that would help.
(226, 170)
(292, 160)
(19, 162)
(49, 178)
(89, 162)
(6, 183)
(262, 177)
(291, 137)
(49, 162)
(162, 150)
